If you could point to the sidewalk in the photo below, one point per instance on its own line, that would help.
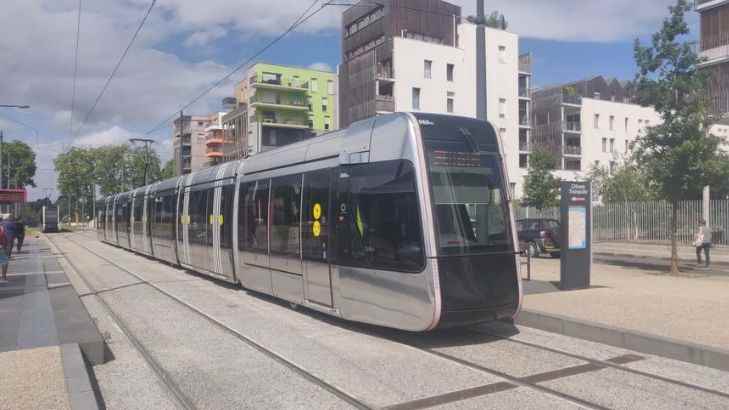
(690, 309)
(42, 325)
(657, 256)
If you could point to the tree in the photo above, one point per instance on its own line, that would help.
(627, 183)
(110, 170)
(170, 170)
(496, 20)
(678, 156)
(19, 164)
(541, 188)
(137, 160)
(76, 177)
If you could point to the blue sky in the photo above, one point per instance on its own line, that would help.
(188, 44)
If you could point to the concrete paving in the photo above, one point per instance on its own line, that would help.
(33, 379)
(656, 256)
(682, 308)
(494, 366)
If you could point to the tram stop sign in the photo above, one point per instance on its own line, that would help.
(576, 234)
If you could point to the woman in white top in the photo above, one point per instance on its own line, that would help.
(703, 242)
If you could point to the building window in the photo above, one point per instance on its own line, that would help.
(604, 145)
(502, 107)
(626, 124)
(613, 165)
(612, 145)
(597, 121)
(416, 98)
(330, 87)
(324, 103)
(627, 146)
(502, 54)
(502, 133)
(612, 122)
(450, 68)
(314, 85)
(326, 124)
(523, 161)
(428, 69)
(449, 105)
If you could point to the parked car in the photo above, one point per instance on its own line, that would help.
(539, 236)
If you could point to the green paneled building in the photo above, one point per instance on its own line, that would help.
(286, 104)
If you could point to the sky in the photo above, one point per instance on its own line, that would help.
(187, 45)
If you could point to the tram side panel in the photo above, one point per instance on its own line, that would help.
(162, 226)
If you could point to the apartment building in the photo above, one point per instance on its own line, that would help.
(401, 55)
(714, 47)
(189, 143)
(215, 139)
(278, 105)
(588, 123)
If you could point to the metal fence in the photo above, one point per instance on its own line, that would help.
(648, 221)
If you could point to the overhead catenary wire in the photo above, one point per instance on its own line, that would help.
(117, 66)
(75, 65)
(303, 18)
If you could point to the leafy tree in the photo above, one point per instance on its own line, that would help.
(19, 165)
(496, 20)
(137, 160)
(628, 183)
(170, 170)
(541, 188)
(678, 156)
(76, 177)
(110, 169)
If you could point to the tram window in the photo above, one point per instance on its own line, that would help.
(378, 218)
(316, 238)
(469, 202)
(255, 213)
(226, 213)
(198, 217)
(210, 210)
(285, 215)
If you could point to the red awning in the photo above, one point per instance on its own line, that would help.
(13, 196)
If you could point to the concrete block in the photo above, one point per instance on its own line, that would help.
(74, 324)
(80, 390)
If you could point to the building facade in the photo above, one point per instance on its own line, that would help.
(189, 143)
(278, 105)
(215, 139)
(400, 61)
(714, 48)
(587, 124)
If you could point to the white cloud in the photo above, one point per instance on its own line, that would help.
(112, 136)
(321, 66)
(204, 37)
(579, 20)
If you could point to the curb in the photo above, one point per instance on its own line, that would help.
(627, 339)
(76, 374)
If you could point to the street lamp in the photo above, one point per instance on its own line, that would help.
(147, 143)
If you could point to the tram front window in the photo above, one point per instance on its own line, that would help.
(469, 203)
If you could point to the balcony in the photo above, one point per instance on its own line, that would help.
(572, 127)
(572, 150)
(571, 99)
(714, 55)
(384, 104)
(384, 72)
(523, 146)
(279, 122)
(279, 104)
(707, 4)
(278, 84)
(525, 63)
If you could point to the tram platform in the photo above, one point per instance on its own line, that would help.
(44, 328)
(677, 316)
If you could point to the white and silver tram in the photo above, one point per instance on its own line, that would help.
(401, 220)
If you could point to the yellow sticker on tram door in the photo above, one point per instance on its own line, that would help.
(317, 211)
(316, 229)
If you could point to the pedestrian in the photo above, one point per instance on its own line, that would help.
(703, 242)
(4, 259)
(20, 229)
(10, 234)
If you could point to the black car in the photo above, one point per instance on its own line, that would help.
(539, 236)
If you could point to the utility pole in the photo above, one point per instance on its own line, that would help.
(481, 83)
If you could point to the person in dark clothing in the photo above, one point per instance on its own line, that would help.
(20, 231)
(4, 258)
(10, 234)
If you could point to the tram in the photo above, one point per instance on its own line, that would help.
(401, 220)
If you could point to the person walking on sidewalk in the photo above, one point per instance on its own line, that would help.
(703, 242)
(20, 229)
(4, 258)
(11, 233)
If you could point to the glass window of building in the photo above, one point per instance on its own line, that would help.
(450, 69)
(428, 69)
(416, 98)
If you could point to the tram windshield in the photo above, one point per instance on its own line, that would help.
(467, 186)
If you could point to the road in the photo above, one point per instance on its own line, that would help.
(180, 340)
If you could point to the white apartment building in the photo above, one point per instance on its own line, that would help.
(437, 78)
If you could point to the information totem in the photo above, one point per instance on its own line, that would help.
(576, 235)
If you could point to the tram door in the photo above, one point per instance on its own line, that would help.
(315, 241)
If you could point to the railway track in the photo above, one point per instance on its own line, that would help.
(509, 382)
(184, 401)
